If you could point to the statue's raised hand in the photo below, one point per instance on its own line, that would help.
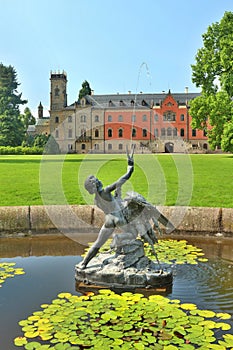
(130, 156)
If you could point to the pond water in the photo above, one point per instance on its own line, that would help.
(49, 263)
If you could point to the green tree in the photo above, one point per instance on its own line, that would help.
(85, 90)
(11, 126)
(40, 140)
(213, 73)
(27, 118)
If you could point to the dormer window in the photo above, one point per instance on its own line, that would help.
(144, 103)
(121, 103)
(132, 102)
(83, 102)
(110, 103)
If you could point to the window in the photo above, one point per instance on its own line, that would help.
(56, 91)
(182, 132)
(194, 132)
(134, 132)
(133, 118)
(120, 118)
(70, 147)
(163, 132)
(96, 133)
(96, 118)
(169, 116)
(132, 102)
(57, 133)
(56, 119)
(175, 132)
(120, 147)
(70, 119)
(156, 117)
(182, 117)
(169, 131)
(109, 132)
(83, 146)
(120, 133)
(83, 119)
(109, 118)
(156, 132)
(70, 133)
(109, 146)
(110, 103)
(144, 118)
(121, 103)
(144, 133)
(83, 133)
(96, 146)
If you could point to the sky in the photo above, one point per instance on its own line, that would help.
(116, 45)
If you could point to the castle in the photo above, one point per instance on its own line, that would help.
(154, 122)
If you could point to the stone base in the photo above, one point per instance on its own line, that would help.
(119, 272)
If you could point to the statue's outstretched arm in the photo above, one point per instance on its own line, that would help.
(126, 176)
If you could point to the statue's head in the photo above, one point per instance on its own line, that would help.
(92, 184)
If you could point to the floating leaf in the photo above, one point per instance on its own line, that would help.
(20, 341)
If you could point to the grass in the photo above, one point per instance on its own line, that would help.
(196, 180)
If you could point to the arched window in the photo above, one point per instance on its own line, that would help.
(169, 131)
(182, 132)
(163, 132)
(109, 132)
(96, 133)
(194, 132)
(83, 133)
(156, 117)
(134, 132)
(132, 102)
(175, 132)
(96, 118)
(182, 117)
(56, 119)
(83, 119)
(144, 118)
(109, 118)
(144, 133)
(120, 133)
(120, 118)
(83, 146)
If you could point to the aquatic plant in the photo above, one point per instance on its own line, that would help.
(8, 271)
(169, 251)
(127, 321)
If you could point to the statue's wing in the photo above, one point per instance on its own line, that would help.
(151, 211)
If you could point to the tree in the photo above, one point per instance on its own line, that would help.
(11, 126)
(27, 118)
(85, 90)
(213, 73)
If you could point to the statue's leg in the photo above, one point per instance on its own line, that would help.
(103, 236)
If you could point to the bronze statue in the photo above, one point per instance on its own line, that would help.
(132, 214)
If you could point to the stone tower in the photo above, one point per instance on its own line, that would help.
(58, 95)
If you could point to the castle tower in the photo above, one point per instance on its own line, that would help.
(40, 111)
(58, 95)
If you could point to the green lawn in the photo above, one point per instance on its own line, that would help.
(196, 180)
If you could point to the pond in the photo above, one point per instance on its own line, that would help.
(49, 264)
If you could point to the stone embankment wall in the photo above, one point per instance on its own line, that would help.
(24, 220)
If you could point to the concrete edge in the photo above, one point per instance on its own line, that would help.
(70, 218)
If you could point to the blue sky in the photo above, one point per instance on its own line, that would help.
(116, 45)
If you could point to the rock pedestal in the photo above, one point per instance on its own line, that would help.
(127, 268)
